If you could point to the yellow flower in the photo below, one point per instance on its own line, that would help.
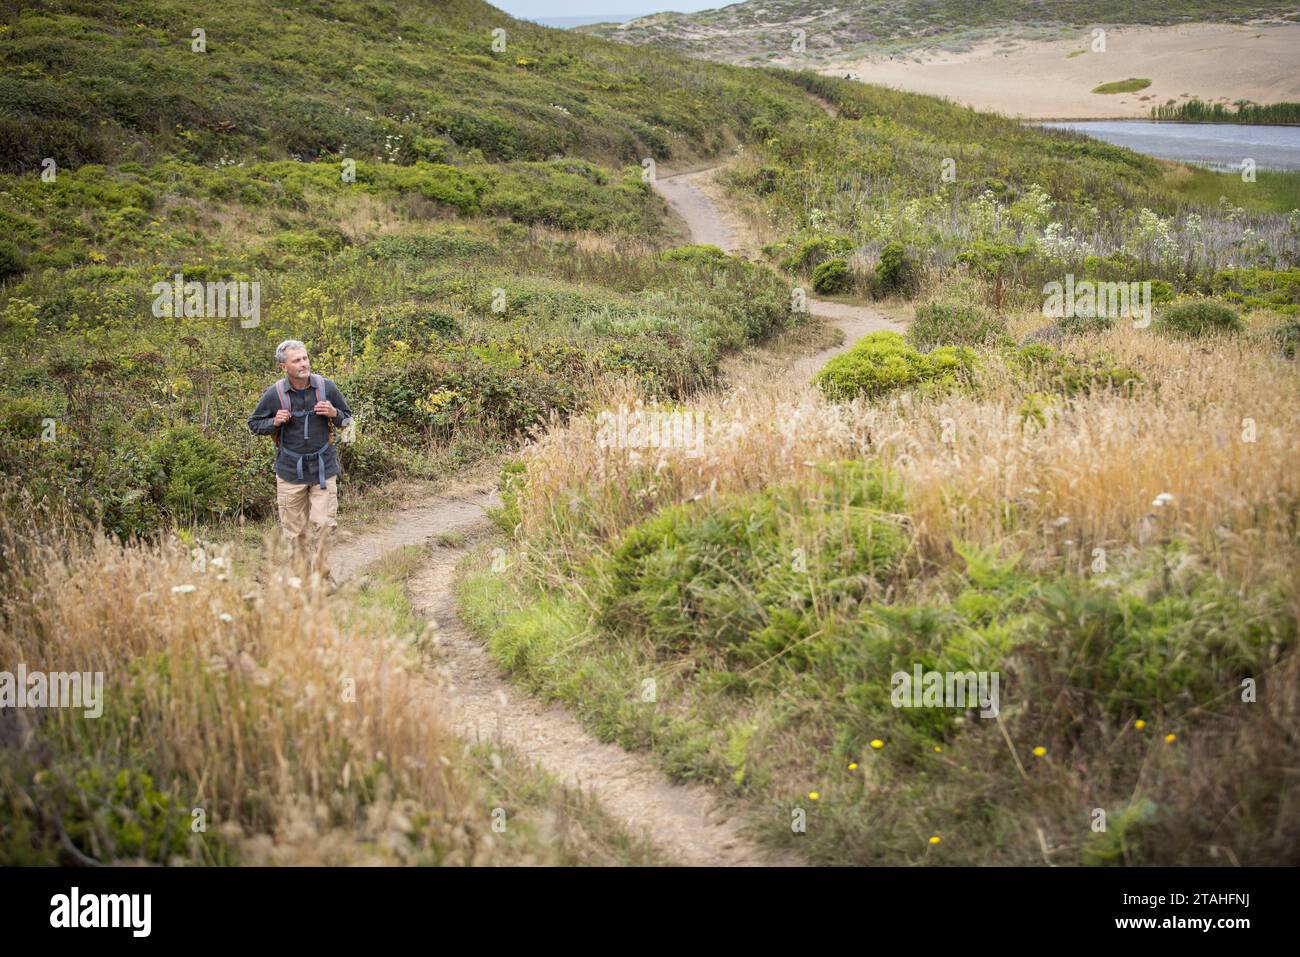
(877, 744)
(1039, 751)
(813, 795)
(1139, 724)
(934, 839)
(937, 749)
(853, 766)
(1170, 738)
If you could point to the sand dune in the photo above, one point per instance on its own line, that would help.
(1038, 79)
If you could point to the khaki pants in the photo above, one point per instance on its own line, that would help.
(299, 504)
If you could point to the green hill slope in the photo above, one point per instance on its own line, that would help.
(396, 81)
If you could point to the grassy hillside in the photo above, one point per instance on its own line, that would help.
(758, 30)
(497, 258)
(395, 82)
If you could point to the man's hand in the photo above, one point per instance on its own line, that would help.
(326, 408)
(282, 416)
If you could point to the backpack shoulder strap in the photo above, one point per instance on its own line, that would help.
(283, 396)
(317, 382)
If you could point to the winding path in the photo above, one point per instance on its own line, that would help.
(688, 822)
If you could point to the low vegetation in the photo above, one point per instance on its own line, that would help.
(919, 195)
(1199, 319)
(1131, 85)
(881, 362)
(955, 324)
(1037, 518)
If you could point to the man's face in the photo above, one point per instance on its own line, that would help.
(296, 364)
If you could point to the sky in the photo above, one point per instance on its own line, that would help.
(585, 8)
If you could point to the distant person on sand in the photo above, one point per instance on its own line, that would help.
(306, 461)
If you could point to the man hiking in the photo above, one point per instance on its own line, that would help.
(300, 412)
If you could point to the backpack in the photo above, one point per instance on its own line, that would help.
(317, 383)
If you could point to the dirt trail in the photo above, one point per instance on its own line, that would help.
(688, 822)
(459, 511)
(697, 198)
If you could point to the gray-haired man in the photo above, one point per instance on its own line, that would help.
(306, 462)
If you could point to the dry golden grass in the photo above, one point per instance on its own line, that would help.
(248, 695)
(307, 728)
(975, 468)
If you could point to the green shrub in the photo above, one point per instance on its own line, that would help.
(762, 181)
(422, 246)
(705, 253)
(414, 323)
(813, 252)
(955, 324)
(22, 417)
(1161, 291)
(193, 476)
(1276, 289)
(883, 361)
(103, 812)
(125, 816)
(897, 273)
(1153, 648)
(832, 276)
(720, 576)
(1080, 325)
(1287, 337)
(1131, 85)
(1046, 369)
(11, 261)
(1195, 320)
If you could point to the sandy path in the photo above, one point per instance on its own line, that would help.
(696, 197)
(458, 511)
(1039, 79)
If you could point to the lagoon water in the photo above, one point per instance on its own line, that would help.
(1218, 145)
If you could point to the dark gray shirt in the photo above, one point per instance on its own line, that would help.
(305, 435)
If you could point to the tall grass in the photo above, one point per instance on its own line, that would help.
(1194, 111)
(979, 465)
(245, 721)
